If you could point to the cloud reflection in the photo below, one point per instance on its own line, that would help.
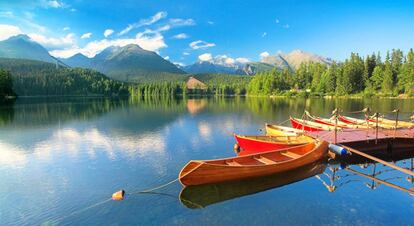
(12, 156)
(71, 143)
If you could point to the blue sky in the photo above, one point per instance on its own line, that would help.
(183, 30)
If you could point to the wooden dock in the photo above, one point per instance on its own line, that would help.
(351, 135)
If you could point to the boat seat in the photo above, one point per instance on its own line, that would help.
(233, 163)
(290, 154)
(264, 160)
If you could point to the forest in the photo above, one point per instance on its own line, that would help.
(367, 76)
(364, 76)
(35, 78)
(6, 85)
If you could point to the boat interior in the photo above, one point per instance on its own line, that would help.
(294, 139)
(266, 158)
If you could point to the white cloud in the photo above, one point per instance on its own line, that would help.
(264, 34)
(73, 10)
(167, 57)
(144, 22)
(6, 31)
(178, 22)
(242, 60)
(264, 55)
(51, 42)
(151, 42)
(54, 4)
(66, 29)
(277, 21)
(86, 35)
(222, 59)
(210, 22)
(205, 57)
(108, 32)
(286, 26)
(199, 44)
(180, 36)
(186, 53)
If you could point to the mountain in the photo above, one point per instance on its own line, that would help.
(277, 61)
(128, 63)
(22, 47)
(78, 60)
(294, 59)
(253, 68)
(237, 68)
(202, 67)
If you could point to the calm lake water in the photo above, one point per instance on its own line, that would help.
(59, 156)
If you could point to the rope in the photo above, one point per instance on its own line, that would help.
(109, 199)
(156, 188)
(83, 210)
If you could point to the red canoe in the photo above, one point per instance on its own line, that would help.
(309, 125)
(258, 144)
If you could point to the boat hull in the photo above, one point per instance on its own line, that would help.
(201, 172)
(275, 130)
(251, 146)
(298, 125)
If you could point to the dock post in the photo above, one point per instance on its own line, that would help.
(335, 113)
(396, 111)
(376, 128)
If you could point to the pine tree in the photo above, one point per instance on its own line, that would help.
(388, 82)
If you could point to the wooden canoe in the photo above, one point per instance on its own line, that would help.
(198, 172)
(276, 130)
(201, 196)
(392, 122)
(369, 123)
(309, 125)
(340, 124)
(258, 144)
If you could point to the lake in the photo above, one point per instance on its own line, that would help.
(62, 158)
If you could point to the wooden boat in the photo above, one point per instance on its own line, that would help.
(368, 122)
(257, 144)
(198, 172)
(200, 196)
(392, 122)
(276, 130)
(309, 125)
(340, 124)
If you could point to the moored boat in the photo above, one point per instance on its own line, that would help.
(340, 124)
(276, 130)
(204, 195)
(257, 144)
(392, 122)
(198, 172)
(371, 122)
(310, 125)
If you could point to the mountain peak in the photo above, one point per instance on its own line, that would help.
(20, 37)
(294, 59)
(22, 47)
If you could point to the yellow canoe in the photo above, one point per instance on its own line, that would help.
(276, 130)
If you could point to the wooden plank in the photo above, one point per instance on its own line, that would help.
(233, 163)
(379, 160)
(265, 160)
(290, 154)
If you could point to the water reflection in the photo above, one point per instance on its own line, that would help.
(204, 195)
(77, 151)
(369, 174)
(195, 106)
